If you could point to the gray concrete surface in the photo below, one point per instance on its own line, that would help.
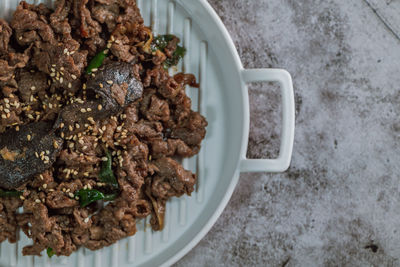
(339, 203)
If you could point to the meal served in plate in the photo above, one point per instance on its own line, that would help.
(92, 126)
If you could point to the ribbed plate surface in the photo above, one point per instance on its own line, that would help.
(148, 248)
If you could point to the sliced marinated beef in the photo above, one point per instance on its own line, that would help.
(30, 25)
(172, 175)
(192, 131)
(30, 84)
(5, 35)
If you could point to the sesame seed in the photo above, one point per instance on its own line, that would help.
(30, 116)
(44, 186)
(104, 128)
(117, 41)
(51, 190)
(61, 80)
(20, 38)
(86, 174)
(53, 70)
(95, 69)
(29, 137)
(37, 154)
(89, 186)
(6, 100)
(22, 197)
(52, 74)
(37, 200)
(68, 190)
(119, 128)
(101, 85)
(84, 86)
(71, 128)
(41, 177)
(112, 38)
(86, 220)
(104, 158)
(99, 107)
(71, 195)
(71, 145)
(50, 105)
(53, 65)
(62, 134)
(106, 51)
(76, 197)
(71, 53)
(6, 110)
(69, 85)
(77, 126)
(81, 141)
(46, 158)
(3, 116)
(55, 144)
(7, 105)
(83, 110)
(84, 147)
(47, 152)
(65, 50)
(73, 76)
(109, 45)
(62, 125)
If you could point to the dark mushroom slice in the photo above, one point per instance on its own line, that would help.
(73, 118)
(116, 84)
(27, 152)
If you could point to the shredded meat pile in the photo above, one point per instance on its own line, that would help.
(44, 54)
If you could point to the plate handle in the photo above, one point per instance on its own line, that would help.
(281, 163)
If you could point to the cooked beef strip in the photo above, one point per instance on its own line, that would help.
(5, 34)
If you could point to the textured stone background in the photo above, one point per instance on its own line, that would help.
(339, 203)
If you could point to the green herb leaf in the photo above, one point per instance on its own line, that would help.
(11, 193)
(50, 252)
(96, 62)
(106, 174)
(160, 42)
(176, 57)
(87, 196)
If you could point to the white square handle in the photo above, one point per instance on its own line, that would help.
(281, 163)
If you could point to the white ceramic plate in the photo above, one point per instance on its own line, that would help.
(223, 100)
